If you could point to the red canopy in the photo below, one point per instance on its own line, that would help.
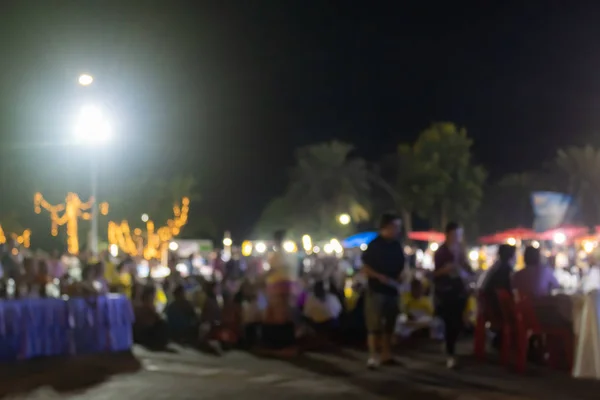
(427, 236)
(570, 232)
(516, 233)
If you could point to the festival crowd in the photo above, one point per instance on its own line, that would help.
(283, 307)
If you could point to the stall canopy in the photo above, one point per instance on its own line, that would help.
(427, 236)
(569, 232)
(358, 239)
(514, 234)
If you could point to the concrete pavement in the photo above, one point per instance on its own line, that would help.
(187, 374)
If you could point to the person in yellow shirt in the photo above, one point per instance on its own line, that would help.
(415, 304)
(418, 311)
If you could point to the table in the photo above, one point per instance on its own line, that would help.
(587, 331)
(31, 328)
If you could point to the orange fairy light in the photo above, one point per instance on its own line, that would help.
(71, 210)
(156, 240)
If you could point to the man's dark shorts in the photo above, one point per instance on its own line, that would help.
(381, 311)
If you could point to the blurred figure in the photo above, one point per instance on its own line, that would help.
(149, 329)
(181, 317)
(55, 265)
(10, 266)
(254, 304)
(499, 277)
(418, 311)
(100, 283)
(278, 329)
(535, 280)
(383, 264)
(451, 292)
(322, 308)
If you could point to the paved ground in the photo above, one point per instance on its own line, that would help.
(187, 374)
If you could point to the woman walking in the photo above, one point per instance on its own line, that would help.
(451, 291)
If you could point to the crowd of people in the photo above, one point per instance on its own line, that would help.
(277, 308)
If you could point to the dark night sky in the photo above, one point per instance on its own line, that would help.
(227, 92)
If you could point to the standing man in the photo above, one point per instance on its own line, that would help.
(383, 263)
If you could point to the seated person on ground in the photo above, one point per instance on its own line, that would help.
(149, 328)
(210, 317)
(322, 308)
(254, 304)
(417, 309)
(181, 317)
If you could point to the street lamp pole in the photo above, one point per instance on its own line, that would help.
(94, 210)
(92, 129)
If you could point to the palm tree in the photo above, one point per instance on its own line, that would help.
(328, 181)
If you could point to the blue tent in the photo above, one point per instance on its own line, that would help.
(358, 239)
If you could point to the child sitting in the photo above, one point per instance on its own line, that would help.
(418, 312)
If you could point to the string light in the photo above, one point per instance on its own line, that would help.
(23, 239)
(156, 240)
(72, 210)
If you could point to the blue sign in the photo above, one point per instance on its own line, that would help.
(550, 209)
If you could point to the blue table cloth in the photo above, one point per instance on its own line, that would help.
(32, 328)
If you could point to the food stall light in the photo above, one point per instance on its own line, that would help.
(260, 247)
(588, 247)
(344, 219)
(559, 238)
(247, 249)
(328, 248)
(316, 249)
(474, 255)
(227, 242)
(182, 269)
(336, 246)
(306, 243)
(535, 244)
(289, 246)
(114, 250)
(173, 246)
(511, 241)
(364, 246)
(434, 246)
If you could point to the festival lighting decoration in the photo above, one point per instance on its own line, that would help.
(22, 239)
(72, 209)
(307, 243)
(247, 248)
(152, 243)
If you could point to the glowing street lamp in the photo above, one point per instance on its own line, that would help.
(92, 128)
(260, 247)
(344, 219)
(307, 243)
(559, 238)
(85, 80)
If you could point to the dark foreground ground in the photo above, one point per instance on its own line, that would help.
(187, 374)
